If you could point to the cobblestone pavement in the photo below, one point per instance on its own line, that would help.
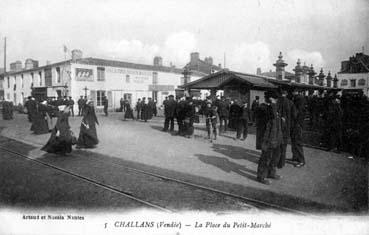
(329, 182)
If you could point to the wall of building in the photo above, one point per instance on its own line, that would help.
(75, 77)
(356, 77)
(18, 89)
(139, 84)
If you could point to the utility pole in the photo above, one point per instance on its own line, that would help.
(4, 55)
(224, 65)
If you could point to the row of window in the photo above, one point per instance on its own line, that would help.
(361, 82)
(48, 77)
(58, 78)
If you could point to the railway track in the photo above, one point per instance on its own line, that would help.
(250, 202)
(88, 180)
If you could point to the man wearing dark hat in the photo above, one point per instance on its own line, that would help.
(272, 139)
(169, 113)
(138, 108)
(297, 121)
(254, 106)
(189, 116)
(210, 114)
(223, 112)
(80, 105)
(71, 105)
(284, 106)
(105, 103)
(180, 115)
(243, 119)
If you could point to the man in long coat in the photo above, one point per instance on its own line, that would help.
(254, 106)
(272, 139)
(298, 116)
(223, 112)
(105, 103)
(169, 113)
(80, 105)
(180, 115)
(138, 108)
(151, 106)
(144, 110)
(284, 106)
(243, 121)
(189, 116)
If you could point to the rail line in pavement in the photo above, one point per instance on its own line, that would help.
(251, 202)
(88, 180)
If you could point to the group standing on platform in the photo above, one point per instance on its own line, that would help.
(341, 120)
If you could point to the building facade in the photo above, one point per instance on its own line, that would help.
(94, 78)
(354, 74)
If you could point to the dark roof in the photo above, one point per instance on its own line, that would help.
(112, 63)
(289, 84)
(223, 77)
(274, 74)
(219, 79)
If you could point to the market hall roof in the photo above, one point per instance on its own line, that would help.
(219, 79)
(289, 85)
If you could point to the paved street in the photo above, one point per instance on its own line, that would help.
(329, 182)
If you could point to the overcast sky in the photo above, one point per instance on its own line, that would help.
(250, 32)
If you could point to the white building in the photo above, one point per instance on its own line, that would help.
(354, 74)
(95, 78)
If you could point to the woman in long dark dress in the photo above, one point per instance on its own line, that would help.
(128, 112)
(87, 136)
(61, 139)
(7, 110)
(39, 121)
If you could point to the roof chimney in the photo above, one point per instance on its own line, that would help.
(209, 60)
(30, 64)
(258, 71)
(195, 56)
(158, 61)
(76, 54)
(16, 66)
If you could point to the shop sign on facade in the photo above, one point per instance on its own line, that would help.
(161, 88)
(84, 74)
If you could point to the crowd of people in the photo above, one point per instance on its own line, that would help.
(277, 121)
(341, 121)
(42, 115)
(145, 109)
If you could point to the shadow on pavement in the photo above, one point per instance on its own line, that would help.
(236, 152)
(103, 165)
(227, 166)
